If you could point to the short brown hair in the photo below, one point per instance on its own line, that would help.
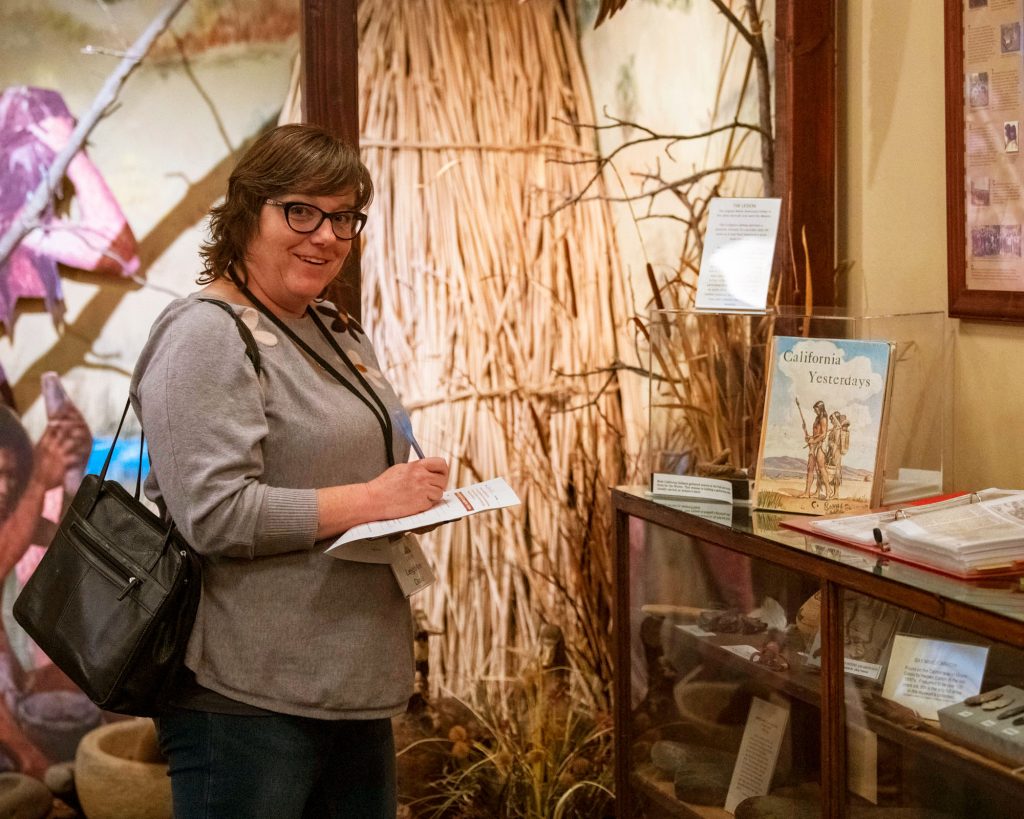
(288, 159)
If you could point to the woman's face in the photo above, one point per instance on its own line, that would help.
(290, 269)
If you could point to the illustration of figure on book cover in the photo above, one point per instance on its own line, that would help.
(824, 416)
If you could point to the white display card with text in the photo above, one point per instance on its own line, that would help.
(759, 751)
(926, 675)
(739, 247)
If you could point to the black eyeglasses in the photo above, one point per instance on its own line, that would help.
(305, 218)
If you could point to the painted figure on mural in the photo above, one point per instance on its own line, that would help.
(35, 124)
(31, 492)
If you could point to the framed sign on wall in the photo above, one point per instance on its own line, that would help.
(984, 163)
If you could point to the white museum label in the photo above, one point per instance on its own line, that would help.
(739, 247)
(759, 751)
(691, 486)
(926, 675)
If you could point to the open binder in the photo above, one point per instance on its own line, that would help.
(969, 535)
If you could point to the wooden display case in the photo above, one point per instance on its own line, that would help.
(686, 678)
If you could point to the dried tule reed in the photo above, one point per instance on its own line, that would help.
(499, 326)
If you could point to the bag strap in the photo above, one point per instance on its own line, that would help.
(138, 475)
(252, 350)
(110, 452)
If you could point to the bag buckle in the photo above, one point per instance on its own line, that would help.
(132, 583)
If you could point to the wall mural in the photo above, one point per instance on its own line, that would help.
(115, 244)
(71, 325)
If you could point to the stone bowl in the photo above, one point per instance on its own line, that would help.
(700, 705)
(113, 782)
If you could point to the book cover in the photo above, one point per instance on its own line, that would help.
(824, 425)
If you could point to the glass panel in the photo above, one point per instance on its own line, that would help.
(1000, 596)
(912, 742)
(716, 636)
(707, 390)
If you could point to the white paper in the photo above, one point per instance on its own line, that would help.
(739, 247)
(715, 511)
(858, 668)
(862, 762)
(926, 675)
(378, 550)
(696, 630)
(690, 486)
(454, 504)
(746, 652)
(976, 536)
(759, 751)
(860, 528)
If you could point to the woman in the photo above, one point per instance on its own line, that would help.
(297, 661)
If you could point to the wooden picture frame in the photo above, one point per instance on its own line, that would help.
(995, 249)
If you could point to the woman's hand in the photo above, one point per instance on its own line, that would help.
(405, 489)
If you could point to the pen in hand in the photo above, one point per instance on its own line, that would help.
(401, 419)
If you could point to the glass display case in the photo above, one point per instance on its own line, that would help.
(707, 378)
(762, 672)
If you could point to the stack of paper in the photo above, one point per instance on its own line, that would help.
(964, 539)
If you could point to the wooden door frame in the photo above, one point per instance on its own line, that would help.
(805, 147)
(329, 36)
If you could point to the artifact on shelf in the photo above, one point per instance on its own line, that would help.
(894, 712)
(657, 706)
(779, 806)
(700, 774)
(981, 723)
(770, 656)
(730, 621)
(808, 618)
(712, 712)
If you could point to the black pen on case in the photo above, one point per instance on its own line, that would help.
(404, 424)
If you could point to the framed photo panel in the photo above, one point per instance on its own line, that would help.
(984, 163)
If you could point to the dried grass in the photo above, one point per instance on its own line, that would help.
(498, 326)
(488, 313)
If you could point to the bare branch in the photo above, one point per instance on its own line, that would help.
(649, 194)
(37, 201)
(653, 136)
(187, 66)
(764, 97)
(736, 22)
(667, 186)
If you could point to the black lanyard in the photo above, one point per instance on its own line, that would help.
(376, 406)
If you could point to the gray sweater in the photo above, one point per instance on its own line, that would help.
(237, 460)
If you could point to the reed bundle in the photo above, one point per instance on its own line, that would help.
(497, 325)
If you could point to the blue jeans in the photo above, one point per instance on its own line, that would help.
(278, 767)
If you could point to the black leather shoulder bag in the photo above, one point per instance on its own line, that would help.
(114, 598)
